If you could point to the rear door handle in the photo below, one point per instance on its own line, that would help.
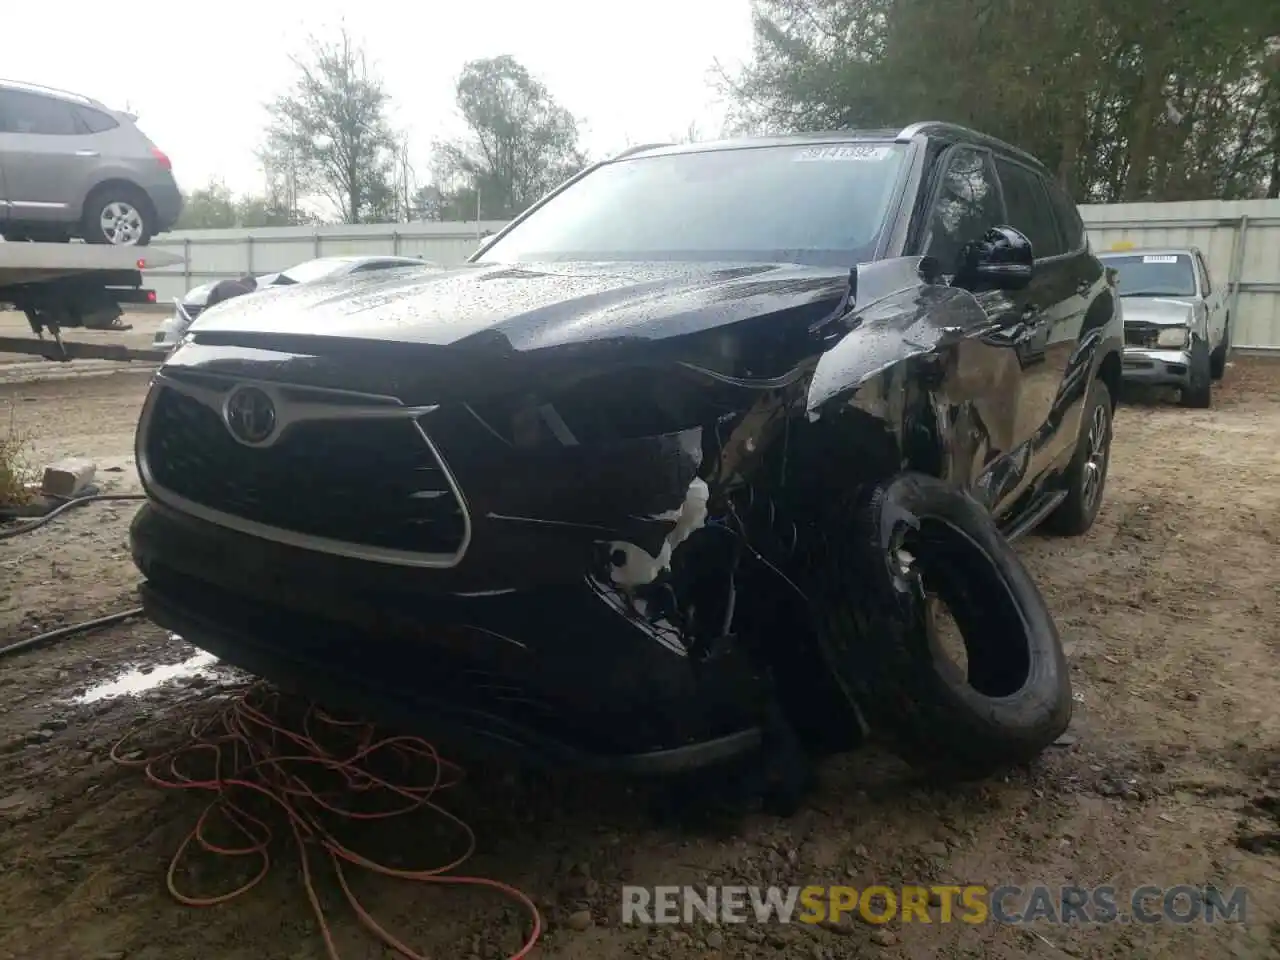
(87, 153)
(1083, 287)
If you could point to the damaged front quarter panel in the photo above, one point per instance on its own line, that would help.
(893, 315)
(888, 393)
(897, 314)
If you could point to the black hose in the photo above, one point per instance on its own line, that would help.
(63, 508)
(71, 630)
(75, 628)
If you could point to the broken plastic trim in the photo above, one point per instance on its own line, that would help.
(633, 566)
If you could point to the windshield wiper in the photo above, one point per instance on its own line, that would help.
(1154, 293)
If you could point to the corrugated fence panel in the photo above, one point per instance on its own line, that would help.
(1240, 240)
(217, 254)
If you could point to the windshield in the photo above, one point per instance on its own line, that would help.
(1154, 275)
(312, 270)
(822, 205)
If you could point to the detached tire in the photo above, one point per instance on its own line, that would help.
(913, 536)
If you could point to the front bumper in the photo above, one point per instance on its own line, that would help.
(556, 674)
(1155, 367)
(171, 332)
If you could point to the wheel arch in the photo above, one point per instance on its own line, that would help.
(1109, 372)
(1102, 313)
(122, 184)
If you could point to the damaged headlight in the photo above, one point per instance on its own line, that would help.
(1173, 337)
(695, 437)
(624, 404)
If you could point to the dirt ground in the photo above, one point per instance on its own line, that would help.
(1170, 610)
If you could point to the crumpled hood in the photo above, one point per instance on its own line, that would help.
(530, 306)
(1166, 311)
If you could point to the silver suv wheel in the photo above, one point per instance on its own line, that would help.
(121, 223)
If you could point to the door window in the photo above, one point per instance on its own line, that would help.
(1027, 203)
(967, 206)
(22, 112)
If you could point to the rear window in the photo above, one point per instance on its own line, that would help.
(1154, 274)
(95, 121)
(313, 270)
(381, 265)
(1069, 220)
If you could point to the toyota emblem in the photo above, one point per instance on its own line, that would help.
(250, 415)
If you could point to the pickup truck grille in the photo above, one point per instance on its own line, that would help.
(372, 483)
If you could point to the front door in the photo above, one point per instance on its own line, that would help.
(986, 376)
(1215, 302)
(48, 158)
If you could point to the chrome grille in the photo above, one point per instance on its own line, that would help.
(368, 482)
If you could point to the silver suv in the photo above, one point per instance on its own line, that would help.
(71, 167)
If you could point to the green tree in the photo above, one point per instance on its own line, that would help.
(1150, 99)
(212, 207)
(520, 142)
(331, 131)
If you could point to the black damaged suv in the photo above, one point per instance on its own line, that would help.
(698, 450)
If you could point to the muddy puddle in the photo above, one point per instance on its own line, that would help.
(149, 677)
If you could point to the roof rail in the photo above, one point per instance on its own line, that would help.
(40, 88)
(908, 133)
(640, 148)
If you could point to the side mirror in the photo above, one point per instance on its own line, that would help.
(1001, 260)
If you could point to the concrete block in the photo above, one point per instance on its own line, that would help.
(67, 478)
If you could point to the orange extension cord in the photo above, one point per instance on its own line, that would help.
(252, 748)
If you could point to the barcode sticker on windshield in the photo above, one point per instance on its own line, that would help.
(1159, 258)
(843, 152)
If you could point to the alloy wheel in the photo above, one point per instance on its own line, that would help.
(1095, 466)
(121, 224)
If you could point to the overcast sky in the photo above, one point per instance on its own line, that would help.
(197, 75)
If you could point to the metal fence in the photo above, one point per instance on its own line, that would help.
(1240, 240)
(217, 254)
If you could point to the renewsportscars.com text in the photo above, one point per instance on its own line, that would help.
(935, 903)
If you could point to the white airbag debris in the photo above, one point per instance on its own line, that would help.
(638, 566)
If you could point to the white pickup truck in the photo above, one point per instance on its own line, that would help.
(1177, 331)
